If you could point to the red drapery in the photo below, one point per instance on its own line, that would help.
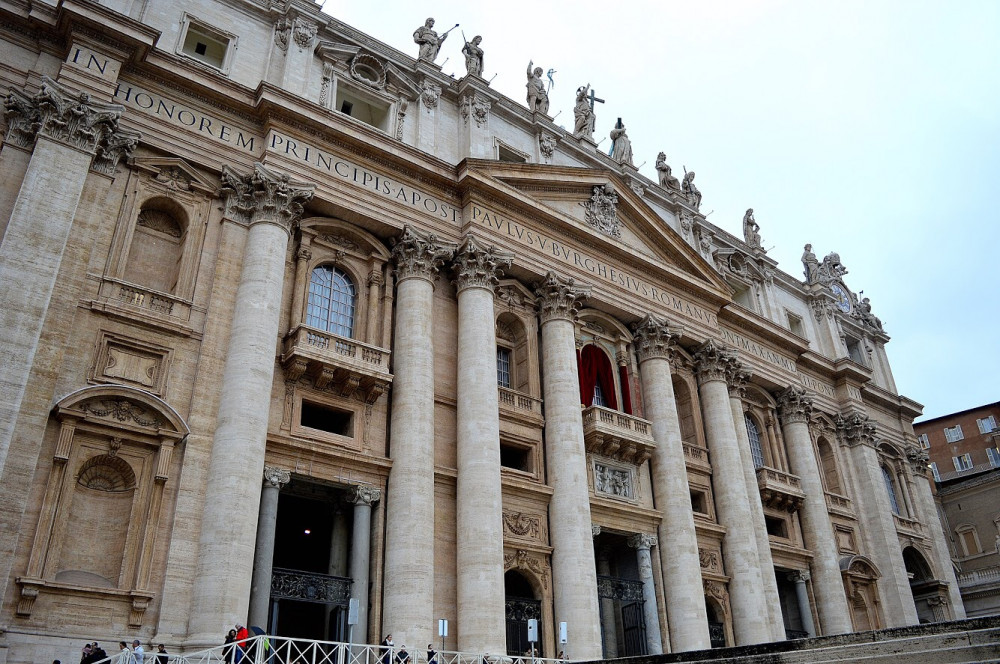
(626, 389)
(595, 368)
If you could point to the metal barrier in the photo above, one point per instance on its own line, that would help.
(283, 650)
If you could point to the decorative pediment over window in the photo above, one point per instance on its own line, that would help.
(175, 174)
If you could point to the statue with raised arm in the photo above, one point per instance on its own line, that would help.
(751, 230)
(428, 41)
(473, 56)
(538, 98)
(663, 169)
(583, 126)
(811, 264)
(621, 145)
(690, 190)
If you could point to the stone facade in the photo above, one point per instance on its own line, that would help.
(291, 318)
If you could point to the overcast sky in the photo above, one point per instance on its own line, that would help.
(870, 128)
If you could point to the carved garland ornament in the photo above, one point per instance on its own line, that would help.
(519, 524)
(123, 411)
(521, 559)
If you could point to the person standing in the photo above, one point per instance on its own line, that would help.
(162, 657)
(229, 646)
(138, 654)
(387, 653)
(431, 654)
(124, 654)
(241, 641)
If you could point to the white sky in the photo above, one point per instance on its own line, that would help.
(870, 128)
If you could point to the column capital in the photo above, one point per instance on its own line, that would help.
(367, 495)
(420, 255)
(856, 429)
(799, 576)
(713, 362)
(642, 541)
(559, 298)
(918, 459)
(264, 196)
(276, 477)
(375, 278)
(304, 254)
(794, 405)
(595, 531)
(737, 378)
(654, 338)
(479, 266)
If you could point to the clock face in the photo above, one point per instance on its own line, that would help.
(843, 299)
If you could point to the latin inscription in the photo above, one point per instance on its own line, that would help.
(362, 177)
(811, 383)
(741, 343)
(95, 63)
(532, 238)
(131, 95)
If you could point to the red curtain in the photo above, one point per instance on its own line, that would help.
(626, 389)
(595, 368)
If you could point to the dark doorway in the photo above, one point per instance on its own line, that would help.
(716, 628)
(521, 606)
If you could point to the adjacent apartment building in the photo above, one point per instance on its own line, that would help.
(292, 318)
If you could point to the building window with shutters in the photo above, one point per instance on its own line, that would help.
(987, 424)
(953, 434)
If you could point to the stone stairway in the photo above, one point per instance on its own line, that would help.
(959, 642)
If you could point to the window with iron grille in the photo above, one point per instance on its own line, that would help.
(331, 301)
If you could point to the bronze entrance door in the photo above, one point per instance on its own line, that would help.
(519, 611)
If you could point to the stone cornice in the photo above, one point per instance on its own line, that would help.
(477, 266)
(794, 405)
(654, 338)
(559, 298)
(856, 429)
(419, 255)
(264, 197)
(713, 361)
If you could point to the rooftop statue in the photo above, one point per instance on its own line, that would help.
(666, 179)
(621, 145)
(751, 230)
(692, 192)
(811, 265)
(538, 98)
(583, 111)
(473, 57)
(429, 41)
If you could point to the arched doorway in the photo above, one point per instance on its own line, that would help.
(716, 622)
(930, 595)
(521, 606)
(860, 578)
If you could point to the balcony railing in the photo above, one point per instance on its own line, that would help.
(697, 457)
(520, 405)
(907, 524)
(979, 577)
(338, 363)
(617, 435)
(836, 502)
(779, 490)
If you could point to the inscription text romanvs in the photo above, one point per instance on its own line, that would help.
(608, 273)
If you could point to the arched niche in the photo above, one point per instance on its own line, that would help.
(100, 517)
(860, 577)
(157, 246)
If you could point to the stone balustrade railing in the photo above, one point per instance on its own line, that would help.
(696, 456)
(979, 577)
(520, 406)
(779, 490)
(336, 362)
(617, 435)
(907, 524)
(837, 502)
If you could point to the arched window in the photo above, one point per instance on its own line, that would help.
(755, 448)
(331, 301)
(890, 488)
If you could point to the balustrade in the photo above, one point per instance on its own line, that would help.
(333, 361)
(779, 490)
(617, 435)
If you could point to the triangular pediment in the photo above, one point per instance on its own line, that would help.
(175, 173)
(580, 200)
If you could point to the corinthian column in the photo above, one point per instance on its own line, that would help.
(738, 379)
(875, 513)
(481, 615)
(794, 408)
(739, 547)
(574, 571)
(641, 543)
(270, 204)
(263, 560)
(68, 134)
(408, 600)
(687, 622)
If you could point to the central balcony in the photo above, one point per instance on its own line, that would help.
(616, 435)
(342, 365)
(779, 490)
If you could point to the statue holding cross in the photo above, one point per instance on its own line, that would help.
(584, 112)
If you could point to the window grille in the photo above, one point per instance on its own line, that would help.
(331, 301)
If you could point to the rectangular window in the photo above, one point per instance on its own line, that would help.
(503, 367)
(935, 473)
(924, 442)
(776, 527)
(953, 434)
(987, 424)
(795, 324)
(994, 455)
(205, 45)
(324, 418)
(855, 352)
(963, 462)
(970, 543)
(518, 458)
